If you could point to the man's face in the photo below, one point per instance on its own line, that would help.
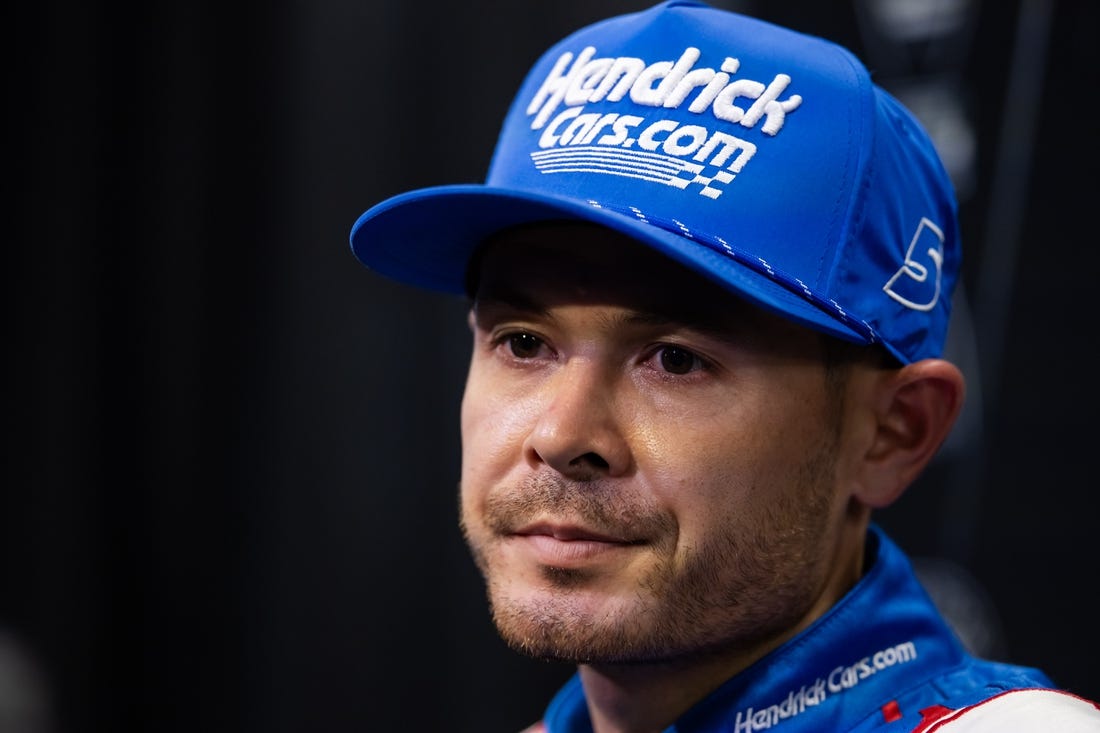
(648, 463)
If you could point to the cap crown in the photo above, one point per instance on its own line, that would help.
(763, 157)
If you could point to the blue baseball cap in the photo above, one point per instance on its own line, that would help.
(764, 158)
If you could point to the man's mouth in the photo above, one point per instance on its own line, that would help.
(568, 545)
(571, 533)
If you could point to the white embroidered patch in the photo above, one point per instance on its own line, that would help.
(670, 153)
(665, 84)
(666, 151)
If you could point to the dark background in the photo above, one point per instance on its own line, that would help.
(231, 453)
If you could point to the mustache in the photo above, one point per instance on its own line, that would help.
(602, 506)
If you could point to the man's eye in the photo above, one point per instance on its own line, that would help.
(524, 345)
(675, 360)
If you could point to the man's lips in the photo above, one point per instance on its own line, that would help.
(570, 533)
(562, 545)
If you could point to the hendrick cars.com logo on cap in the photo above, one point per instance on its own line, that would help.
(666, 151)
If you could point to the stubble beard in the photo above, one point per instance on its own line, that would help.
(731, 592)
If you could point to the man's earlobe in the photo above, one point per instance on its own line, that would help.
(916, 408)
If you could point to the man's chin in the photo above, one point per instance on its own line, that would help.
(552, 647)
(580, 631)
(580, 649)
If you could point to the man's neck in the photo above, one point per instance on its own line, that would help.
(649, 698)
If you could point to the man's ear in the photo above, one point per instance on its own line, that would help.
(915, 408)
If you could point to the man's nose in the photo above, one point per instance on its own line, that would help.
(578, 431)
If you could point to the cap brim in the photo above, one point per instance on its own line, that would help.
(426, 238)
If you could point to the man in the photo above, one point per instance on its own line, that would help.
(711, 272)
